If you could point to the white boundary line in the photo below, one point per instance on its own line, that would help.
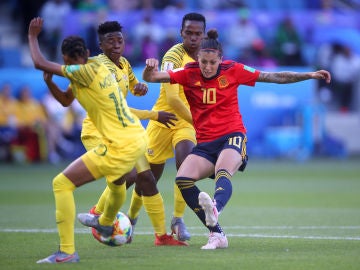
(241, 235)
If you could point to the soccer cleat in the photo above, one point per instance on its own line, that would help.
(168, 240)
(209, 207)
(133, 223)
(91, 220)
(61, 257)
(178, 227)
(216, 240)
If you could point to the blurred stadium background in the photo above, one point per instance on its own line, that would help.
(298, 121)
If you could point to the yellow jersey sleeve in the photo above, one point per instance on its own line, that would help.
(145, 114)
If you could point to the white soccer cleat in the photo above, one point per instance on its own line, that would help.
(216, 240)
(209, 207)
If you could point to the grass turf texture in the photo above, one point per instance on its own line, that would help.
(282, 215)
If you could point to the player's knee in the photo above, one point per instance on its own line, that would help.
(116, 187)
(146, 182)
(61, 182)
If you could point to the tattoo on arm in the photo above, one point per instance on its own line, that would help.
(283, 77)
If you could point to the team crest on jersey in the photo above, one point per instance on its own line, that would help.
(223, 82)
(250, 69)
(101, 150)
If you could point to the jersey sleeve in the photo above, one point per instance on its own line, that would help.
(246, 75)
(131, 75)
(177, 76)
(173, 58)
(81, 74)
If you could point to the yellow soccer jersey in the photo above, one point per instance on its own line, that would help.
(124, 75)
(175, 57)
(95, 87)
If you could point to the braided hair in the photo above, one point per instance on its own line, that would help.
(74, 47)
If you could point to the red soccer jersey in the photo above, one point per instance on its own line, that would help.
(214, 102)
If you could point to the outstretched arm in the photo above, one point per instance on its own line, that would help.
(40, 62)
(175, 102)
(292, 77)
(151, 72)
(162, 117)
(65, 98)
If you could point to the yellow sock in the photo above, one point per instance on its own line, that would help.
(154, 207)
(65, 212)
(135, 205)
(99, 209)
(114, 201)
(179, 202)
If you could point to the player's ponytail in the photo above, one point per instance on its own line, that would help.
(211, 42)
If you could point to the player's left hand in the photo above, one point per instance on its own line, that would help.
(322, 75)
(47, 76)
(140, 89)
(166, 118)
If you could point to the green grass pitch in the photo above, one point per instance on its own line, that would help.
(282, 215)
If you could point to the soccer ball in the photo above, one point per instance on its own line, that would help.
(122, 232)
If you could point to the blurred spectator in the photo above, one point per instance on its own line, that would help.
(91, 36)
(148, 27)
(287, 44)
(24, 11)
(149, 48)
(90, 5)
(169, 41)
(345, 70)
(132, 50)
(8, 105)
(54, 13)
(56, 127)
(30, 143)
(75, 118)
(242, 36)
(261, 57)
(123, 5)
(164, 4)
(323, 61)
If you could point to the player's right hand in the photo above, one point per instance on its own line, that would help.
(151, 64)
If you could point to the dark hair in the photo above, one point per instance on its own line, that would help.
(211, 42)
(74, 47)
(109, 27)
(193, 17)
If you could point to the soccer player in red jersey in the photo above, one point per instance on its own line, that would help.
(210, 86)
